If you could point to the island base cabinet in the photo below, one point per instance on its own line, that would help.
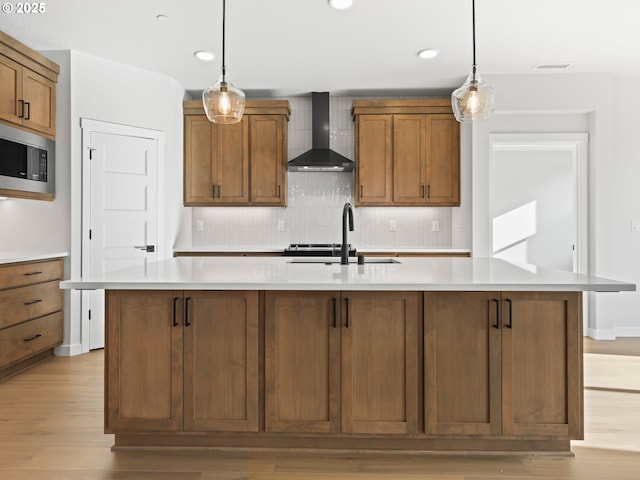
(221, 361)
(180, 361)
(503, 363)
(341, 363)
(144, 360)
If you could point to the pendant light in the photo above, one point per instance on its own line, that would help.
(223, 103)
(473, 101)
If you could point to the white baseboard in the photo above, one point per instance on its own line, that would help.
(601, 334)
(68, 350)
(627, 331)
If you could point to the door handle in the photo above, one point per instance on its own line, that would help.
(186, 312)
(346, 312)
(28, 115)
(147, 248)
(497, 324)
(510, 324)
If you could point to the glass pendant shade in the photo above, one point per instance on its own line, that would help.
(473, 101)
(223, 103)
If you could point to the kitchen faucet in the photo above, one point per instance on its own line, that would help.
(344, 248)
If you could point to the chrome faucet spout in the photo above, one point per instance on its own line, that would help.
(347, 213)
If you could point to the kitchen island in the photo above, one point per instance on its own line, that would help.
(465, 354)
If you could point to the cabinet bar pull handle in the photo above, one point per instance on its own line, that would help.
(335, 315)
(32, 273)
(346, 304)
(510, 324)
(361, 191)
(213, 191)
(428, 191)
(278, 191)
(21, 109)
(32, 302)
(497, 302)
(28, 116)
(175, 310)
(186, 312)
(219, 191)
(29, 339)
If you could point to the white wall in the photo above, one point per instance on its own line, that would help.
(620, 196)
(571, 103)
(111, 92)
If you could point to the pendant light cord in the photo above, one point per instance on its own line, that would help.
(224, 68)
(473, 29)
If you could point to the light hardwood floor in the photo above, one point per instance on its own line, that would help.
(51, 428)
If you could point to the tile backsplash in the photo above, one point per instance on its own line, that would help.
(316, 199)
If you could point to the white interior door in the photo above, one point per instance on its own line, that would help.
(122, 202)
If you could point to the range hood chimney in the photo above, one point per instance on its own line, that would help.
(320, 158)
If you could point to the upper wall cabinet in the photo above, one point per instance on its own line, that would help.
(407, 153)
(238, 164)
(28, 93)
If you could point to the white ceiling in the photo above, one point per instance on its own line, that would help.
(289, 47)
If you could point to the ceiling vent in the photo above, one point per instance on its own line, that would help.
(552, 66)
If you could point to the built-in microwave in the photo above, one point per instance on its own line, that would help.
(27, 161)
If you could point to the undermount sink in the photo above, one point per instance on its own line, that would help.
(336, 260)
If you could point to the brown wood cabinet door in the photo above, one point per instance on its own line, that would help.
(462, 363)
(374, 170)
(379, 362)
(216, 162)
(200, 143)
(231, 163)
(409, 155)
(443, 160)
(144, 360)
(40, 101)
(302, 362)
(221, 361)
(541, 364)
(267, 156)
(11, 91)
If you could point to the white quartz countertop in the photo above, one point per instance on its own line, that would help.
(280, 249)
(15, 257)
(285, 273)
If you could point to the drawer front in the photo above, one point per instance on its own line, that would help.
(20, 304)
(19, 274)
(27, 339)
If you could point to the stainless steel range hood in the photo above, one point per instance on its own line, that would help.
(320, 158)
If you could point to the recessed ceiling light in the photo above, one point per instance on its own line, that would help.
(162, 18)
(428, 53)
(341, 4)
(204, 55)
